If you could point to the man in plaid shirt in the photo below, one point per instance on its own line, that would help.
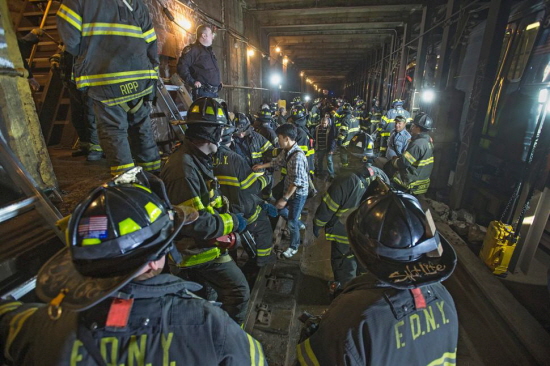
(296, 183)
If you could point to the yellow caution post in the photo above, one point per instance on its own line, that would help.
(498, 247)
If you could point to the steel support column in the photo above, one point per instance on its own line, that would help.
(380, 88)
(418, 79)
(445, 51)
(499, 11)
(403, 62)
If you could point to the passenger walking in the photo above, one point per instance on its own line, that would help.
(325, 145)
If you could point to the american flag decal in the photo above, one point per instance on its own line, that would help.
(93, 227)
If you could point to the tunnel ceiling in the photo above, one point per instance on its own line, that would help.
(328, 39)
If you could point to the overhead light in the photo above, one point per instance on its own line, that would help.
(428, 96)
(307, 98)
(186, 23)
(285, 60)
(277, 49)
(302, 73)
(250, 52)
(275, 79)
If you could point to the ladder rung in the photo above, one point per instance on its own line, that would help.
(23, 29)
(38, 13)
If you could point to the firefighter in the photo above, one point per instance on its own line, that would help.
(360, 114)
(348, 127)
(314, 116)
(398, 313)
(116, 48)
(106, 289)
(299, 119)
(344, 194)
(296, 101)
(242, 187)
(375, 115)
(415, 166)
(387, 124)
(262, 125)
(189, 178)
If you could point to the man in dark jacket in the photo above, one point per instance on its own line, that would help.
(344, 194)
(198, 65)
(325, 144)
(189, 178)
(101, 35)
(106, 299)
(415, 166)
(398, 313)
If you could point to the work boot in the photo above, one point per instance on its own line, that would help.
(94, 155)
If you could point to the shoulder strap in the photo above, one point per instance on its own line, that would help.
(85, 336)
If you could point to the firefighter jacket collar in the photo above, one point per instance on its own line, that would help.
(159, 286)
(203, 161)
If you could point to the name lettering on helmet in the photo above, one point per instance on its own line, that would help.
(420, 324)
(116, 352)
(419, 270)
(129, 88)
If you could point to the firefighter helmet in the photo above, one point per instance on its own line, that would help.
(397, 102)
(423, 121)
(242, 123)
(227, 132)
(356, 99)
(264, 115)
(360, 103)
(317, 101)
(209, 111)
(398, 243)
(297, 100)
(361, 146)
(298, 112)
(346, 107)
(111, 236)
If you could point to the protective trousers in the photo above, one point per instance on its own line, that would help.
(344, 265)
(263, 235)
(229, 282)
(83, 118)
(125, 134)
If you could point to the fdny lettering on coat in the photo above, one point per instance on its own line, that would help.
(222, 160)
(420, 323)
(135, 352)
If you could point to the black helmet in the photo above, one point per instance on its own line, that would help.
(264, 115)
(346, 107)
(398, 243)
(242, 123)
(111, 235)
(359, 103)
(273, 107)
(209, 111)
(298, 112)
(357, 98)
(317, 101)
(397, 102)
(296, 100)
(361, 146)
(423, 121)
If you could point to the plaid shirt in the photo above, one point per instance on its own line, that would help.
(296, 168)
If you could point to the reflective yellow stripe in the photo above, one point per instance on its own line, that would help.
(354, 129)
(341, 211)
(283, 171)
(388, 120)
(345, 143)
(256, 155)
(252, 177)
(150, 35)
(201, 258)
(153, 165)
(116, 170)
(304, 148)
(426, 162)
(194, 202)
(9, 307)
(110, 78)
(263, 181)
(15, 327)
(310, 152)
(318, 222)
(119, 100)
(111, 29)
(409, 157)
(227, 180)
(305, 354)
(333, 206)
(264, 252)
(448, 358)
(252, 349)
(227, 223)
(70, 16)
(254, 216)
(419, 186)
(339, 238)
(266, 146)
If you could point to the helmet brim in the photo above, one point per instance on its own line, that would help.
(403, 275)
(82, 292)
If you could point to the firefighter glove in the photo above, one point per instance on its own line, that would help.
(316, 231)
(37, 32)
(242, 223)
(270, 209)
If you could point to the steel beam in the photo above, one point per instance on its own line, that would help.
(403, 62)
(445, 51)
(422, 48)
